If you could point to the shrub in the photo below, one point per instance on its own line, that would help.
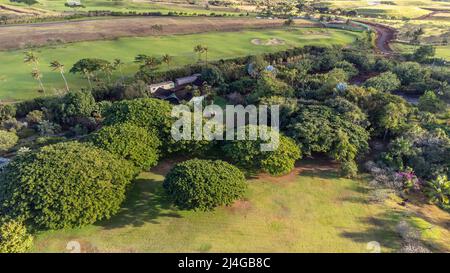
(212, 75)
(7, 111)
(439, 191)
(74, 105)
(204, 184)
(130, 142)
(35, 117)
(7, 140)
(147, 113)
(409, 72)
(248, 154)
(349, 169)
(46, 128)
(385, 82)
(12, 125)
(14, 237)
(429, 102)
(64, 185)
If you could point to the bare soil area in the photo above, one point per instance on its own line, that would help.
(270, 42)
(385, 35)
(16, 37)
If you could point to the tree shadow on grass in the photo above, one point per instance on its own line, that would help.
(380, 228)
(146, 202)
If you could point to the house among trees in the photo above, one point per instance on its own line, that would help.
(175, 92)
(187, 80)
(162, 85)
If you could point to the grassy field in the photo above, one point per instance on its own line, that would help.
(441, 51)
(16, 82)
(311, 210)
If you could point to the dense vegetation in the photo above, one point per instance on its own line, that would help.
(121, 128)
(204, 184)
(14, 237)
(136, 144)
(64, 185)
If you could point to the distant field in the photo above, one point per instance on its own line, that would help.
(441, 51)
(394, 8)
(16, 82)
(127, 5)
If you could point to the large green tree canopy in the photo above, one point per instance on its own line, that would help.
(64, 185)
(204, 184)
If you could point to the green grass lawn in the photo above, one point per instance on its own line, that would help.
(314, 211)
(16, 82)
(441, 51)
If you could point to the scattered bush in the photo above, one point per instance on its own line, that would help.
(385, 82)
(73, 106)
(130, 142)
(429, 102)
(349, 169)
(14, 237)
(439, 191)
(248, 154)
(47, 128)
(204, 184)
(7, 140)
(35, 117)
(7, 111)
(64, 185)
(146, 113)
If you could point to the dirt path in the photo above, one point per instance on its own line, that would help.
(20, 36)
(385, 35)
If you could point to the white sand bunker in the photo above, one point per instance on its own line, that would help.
(270, 42)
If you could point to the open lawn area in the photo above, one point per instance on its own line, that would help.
(16, 82)
(309, 210)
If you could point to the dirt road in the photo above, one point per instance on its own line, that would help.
(20, 36)
(385, 35)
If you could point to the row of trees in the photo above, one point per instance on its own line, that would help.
(90, 68)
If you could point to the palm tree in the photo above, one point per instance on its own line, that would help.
(147, 61)
(167, 59)
(199, 50)
(55, 65)
(118, 65)
(205, 49)
(88, 75)
(37, 75)
(107, 69)
(31, 58)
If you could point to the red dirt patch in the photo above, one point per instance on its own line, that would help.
(240, 206)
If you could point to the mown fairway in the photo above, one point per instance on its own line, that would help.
(310, 210)
(16, 82)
